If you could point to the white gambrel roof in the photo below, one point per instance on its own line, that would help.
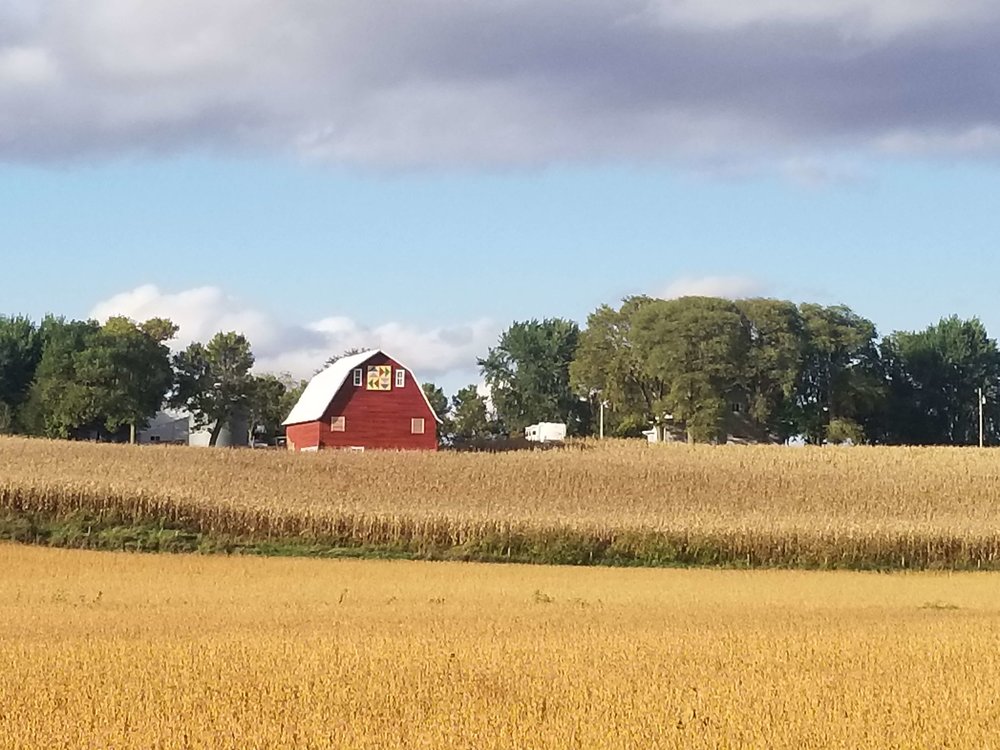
(327, 383)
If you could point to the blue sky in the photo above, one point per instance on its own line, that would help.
(423, 191)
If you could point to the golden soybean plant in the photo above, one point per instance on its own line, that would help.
(128, 651)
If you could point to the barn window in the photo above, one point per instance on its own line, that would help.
(400, 378)
(338, 424)
(358, 377)
(417, 426)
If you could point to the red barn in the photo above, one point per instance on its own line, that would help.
(366, 400)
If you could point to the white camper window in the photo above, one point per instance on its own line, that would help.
(338, 424)
(400, 378)
(358, 377)
(417, 426)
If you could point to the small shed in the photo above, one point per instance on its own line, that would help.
(363, 401)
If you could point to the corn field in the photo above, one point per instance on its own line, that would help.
(111, 650)
(621, 503)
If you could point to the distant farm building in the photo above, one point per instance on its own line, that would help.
(169, 427)
(177, 427)
(363, 401)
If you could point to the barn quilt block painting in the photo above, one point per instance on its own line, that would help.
(379, 378)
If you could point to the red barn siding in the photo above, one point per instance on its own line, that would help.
(378, 420)
(305, 435)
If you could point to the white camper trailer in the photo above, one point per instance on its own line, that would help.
(545, 432)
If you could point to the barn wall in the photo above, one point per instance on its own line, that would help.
(379, 419)
(301, 436)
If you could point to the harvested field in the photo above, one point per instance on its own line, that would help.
(614, 503)
(119, 650)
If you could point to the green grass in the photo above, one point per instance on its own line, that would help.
(556, 546)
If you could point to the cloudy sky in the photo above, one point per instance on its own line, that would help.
(324, 174)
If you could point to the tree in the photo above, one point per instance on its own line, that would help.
(841, 378)
(126, 368)
(934, 381)
(470, 416)
(95, 379)
(160, 330)
(59, 404)
(697, 346)
(213, 382)
(608, 367)
(271, 399)
(20, 353)
(528, 374)
(6, 418)
(439, 403)
(773, 363)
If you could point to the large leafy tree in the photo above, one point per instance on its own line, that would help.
(270, 400)
(935, 382)
(126, 368)
(774, 362)
(471, 420)
(213, 381)
(697, 346)
(608, 367)
(98, 379)
(20, 353)
(528, 375)
(842, 378)
(59, 404)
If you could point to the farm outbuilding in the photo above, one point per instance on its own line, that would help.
(363, 401)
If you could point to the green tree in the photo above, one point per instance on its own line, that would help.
(439, 403)
(270, 401)
(20, 353)
(528, 375)
(126, 369)
(470, 416)
(608, 367)
(842, 376)
(934, 381)
(774, 362)
(697, 346)
(59, 403)
(95, 379)
(213, 382)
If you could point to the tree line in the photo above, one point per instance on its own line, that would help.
(79, 379)
(698, 368)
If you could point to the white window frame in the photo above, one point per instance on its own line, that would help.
(338, 423)
(413, 426)
(359, 377)
(400, 378)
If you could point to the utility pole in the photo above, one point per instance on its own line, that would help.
(982, 402)
(602, 420)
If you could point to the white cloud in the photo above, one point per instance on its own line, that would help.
(26, 66)
(730, 287)
(301, 349)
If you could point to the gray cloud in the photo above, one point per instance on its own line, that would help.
(469, 83)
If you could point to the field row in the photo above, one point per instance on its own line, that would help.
(619, 503)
